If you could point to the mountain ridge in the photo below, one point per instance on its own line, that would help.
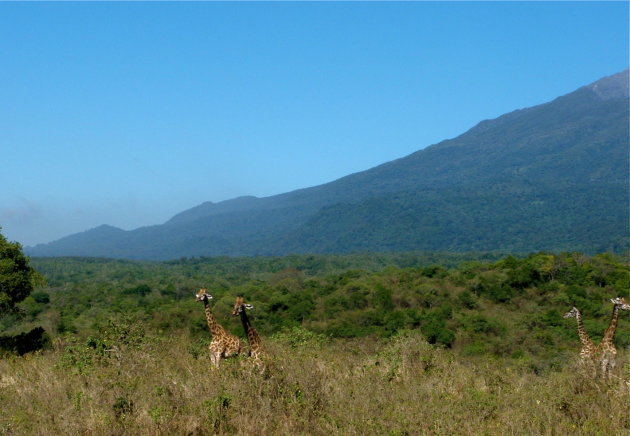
(572, 145)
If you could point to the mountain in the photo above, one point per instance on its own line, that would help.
(549, 177)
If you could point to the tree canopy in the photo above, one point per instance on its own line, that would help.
(17, 277)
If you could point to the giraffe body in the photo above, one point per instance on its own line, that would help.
(588, 351)
(223, 344)
(606, 351)
(255, 344)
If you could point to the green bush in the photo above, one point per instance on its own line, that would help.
(467, 299)
(300, 337)
(140, 290)
(493, 289)
(41, 297)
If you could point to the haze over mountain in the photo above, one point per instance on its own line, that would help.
(549, 177)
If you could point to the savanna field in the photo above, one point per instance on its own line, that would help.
(383, 344)
(315, 218)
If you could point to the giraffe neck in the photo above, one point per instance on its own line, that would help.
(252, 334)
(610, 331)
(584, 338)
(213, 325)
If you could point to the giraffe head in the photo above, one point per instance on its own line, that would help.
(620, 301)
(202, 295)
(240, 306)
(573, 313)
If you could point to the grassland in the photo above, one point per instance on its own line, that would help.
(398, 386)
(355, 345)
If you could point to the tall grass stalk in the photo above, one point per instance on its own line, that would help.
(399, 386)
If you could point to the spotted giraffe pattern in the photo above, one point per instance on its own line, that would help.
(223, 344)
(606, 351)
(255, 344)
(589, 349)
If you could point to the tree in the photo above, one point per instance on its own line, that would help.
(17, 277)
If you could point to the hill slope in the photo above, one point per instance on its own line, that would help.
(549, 177)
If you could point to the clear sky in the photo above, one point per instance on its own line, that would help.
(128, 113)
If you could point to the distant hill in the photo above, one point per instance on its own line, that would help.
(549, 177)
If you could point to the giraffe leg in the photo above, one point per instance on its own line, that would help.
(259, 365)
(215, 355)
(589, 366)
(257, 361)
(604, 367)
(610, 366)
(216, 359)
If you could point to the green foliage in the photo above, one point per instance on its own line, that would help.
(300, 337)
(479, 323)
(383, 298)
(17, 277)
(476, 348)
(41, 297)
(140, 290)
(468, 300)
(216, 412)
(494, 288)
(113, 340)
(81, 357)
(506, 307)
(434, 327)
(124, 330)
(17, 306)
(122, 407)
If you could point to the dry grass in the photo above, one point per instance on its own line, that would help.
(397, 387)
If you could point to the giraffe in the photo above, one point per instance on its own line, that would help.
(223, 344)
(255, 345)
(606, 350)
(587, 353)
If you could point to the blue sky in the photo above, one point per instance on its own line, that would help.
(128, 113)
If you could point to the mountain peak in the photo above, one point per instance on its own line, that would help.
(612, 87)
(209, 208)
(107, 228)
(550, 177)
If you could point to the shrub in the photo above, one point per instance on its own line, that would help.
(300, 337)
(216, 412)
(476, 348)
(493, 289)
(22, 343)
(481, 324)
(123, 407)
(140, 290)
(41, 297)
(467, 299)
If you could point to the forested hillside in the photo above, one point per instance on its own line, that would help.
(551, 177)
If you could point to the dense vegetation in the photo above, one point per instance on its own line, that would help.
(507, 308)
(17, 276)
(17, 281)
(400, 344)
(553, 177)
(435, 219)
(404, 343)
